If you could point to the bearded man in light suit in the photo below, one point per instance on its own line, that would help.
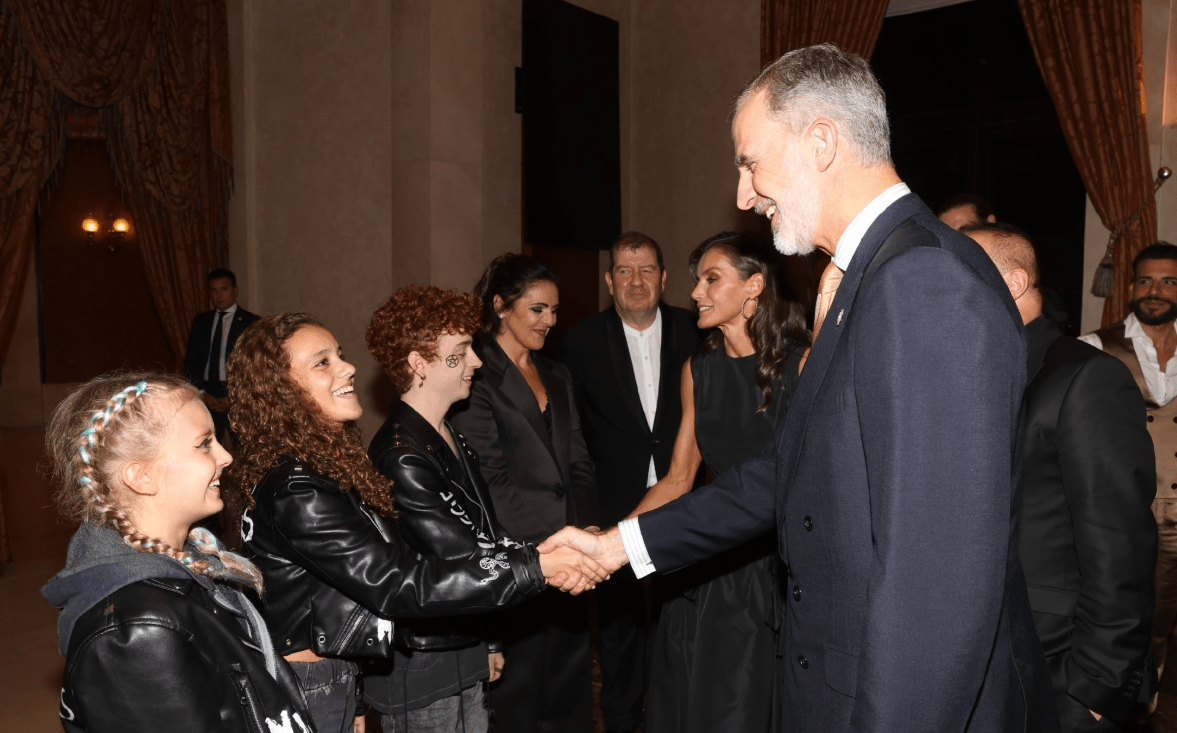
(893, 477)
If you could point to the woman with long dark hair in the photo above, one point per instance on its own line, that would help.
(716, 662)
(522, 421)
(320, 522)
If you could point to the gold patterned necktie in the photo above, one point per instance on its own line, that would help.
(827, 287)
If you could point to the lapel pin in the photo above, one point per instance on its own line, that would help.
(839, 321)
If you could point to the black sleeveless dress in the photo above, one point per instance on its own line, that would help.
(716, 663)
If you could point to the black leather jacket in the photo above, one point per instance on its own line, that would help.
(445, 510)
(162, 654)
(337, 572)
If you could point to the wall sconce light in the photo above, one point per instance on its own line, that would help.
(113, 236)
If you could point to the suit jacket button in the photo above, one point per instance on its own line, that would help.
(1150, 418)
(796, 593)
(808, 524)
(1173, 486)
(802, 661)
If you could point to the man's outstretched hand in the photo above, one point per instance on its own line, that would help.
(570, 570)
(604, 547)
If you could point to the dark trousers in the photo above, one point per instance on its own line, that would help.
(621, 643)
(546, 685)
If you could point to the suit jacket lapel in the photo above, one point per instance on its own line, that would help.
(236, 327)
(623, 365)
(668, 368)
(839, 317)
(478, 493)
(514, 387)
(559, 440)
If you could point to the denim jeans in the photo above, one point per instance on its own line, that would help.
(462, 713)
(330, 689)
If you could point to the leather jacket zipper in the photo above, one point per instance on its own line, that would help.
(350, 629)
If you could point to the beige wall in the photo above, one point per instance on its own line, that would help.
(377, 145)
(688, 61)
(1159, 26)
(311, 222)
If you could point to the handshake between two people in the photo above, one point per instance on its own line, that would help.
(575, 560)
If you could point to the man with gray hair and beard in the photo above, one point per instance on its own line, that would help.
(1146, 341)
(893, 475)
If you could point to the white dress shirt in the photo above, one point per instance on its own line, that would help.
(631, 531)
(226, 323)
(645, 352)
(1162, 385)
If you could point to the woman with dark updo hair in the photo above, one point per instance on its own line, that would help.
(522, 422)
(721, 630)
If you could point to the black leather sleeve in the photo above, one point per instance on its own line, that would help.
(1109, 477)
(325, 533)
(138, 676)
(428, 521)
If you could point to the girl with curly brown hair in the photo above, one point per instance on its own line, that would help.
(153, 626)
(319, 521)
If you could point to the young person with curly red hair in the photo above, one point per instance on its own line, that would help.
(320, 521)
(422, 337)
(154, 628)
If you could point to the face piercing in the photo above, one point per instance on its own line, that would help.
(451, 361)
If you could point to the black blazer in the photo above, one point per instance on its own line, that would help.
(891, 485)
(1087, 536)
(539, 481)
(618, 436)
(200, 339)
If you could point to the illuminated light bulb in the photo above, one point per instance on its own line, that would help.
(90, 224)
(121, 225)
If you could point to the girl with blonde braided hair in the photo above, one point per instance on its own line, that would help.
(154, 625)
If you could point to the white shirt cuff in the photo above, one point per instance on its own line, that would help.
(635, 547)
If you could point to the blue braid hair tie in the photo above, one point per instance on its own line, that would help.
(85, 456)
(187, 560)
(84, 481)
(139, 387)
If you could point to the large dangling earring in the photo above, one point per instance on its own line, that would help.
(755, 303)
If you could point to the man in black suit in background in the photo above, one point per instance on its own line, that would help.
(214, 334)
(1086, 534)
(626, 364)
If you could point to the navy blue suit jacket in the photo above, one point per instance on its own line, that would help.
(892, 482)
(200, 338)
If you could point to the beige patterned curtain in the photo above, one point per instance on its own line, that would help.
(852, 25)
(1091, 58)
(158, 72)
